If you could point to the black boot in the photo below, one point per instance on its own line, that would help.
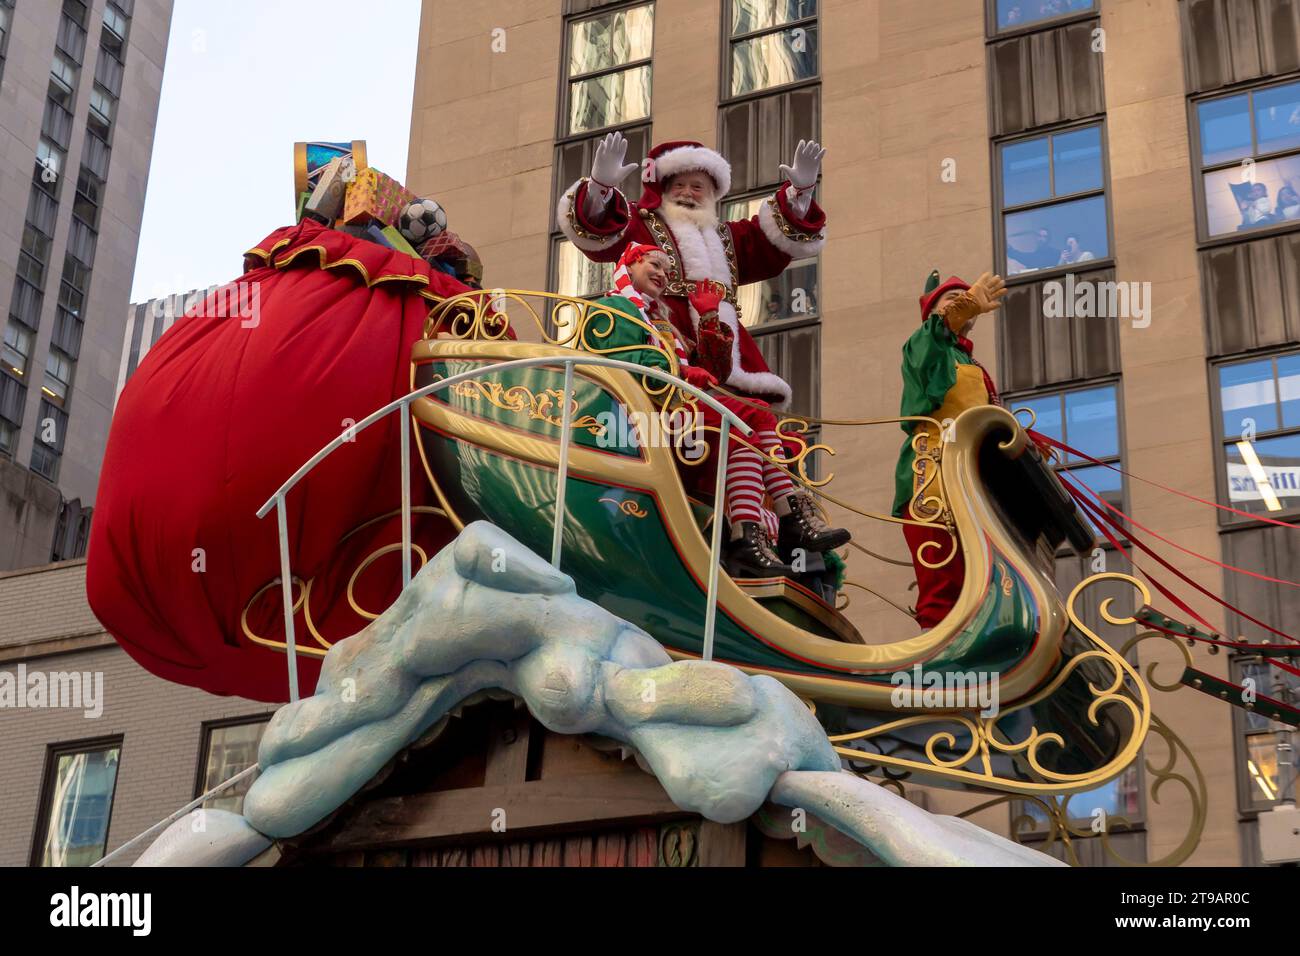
(804, 528)
(751, 556)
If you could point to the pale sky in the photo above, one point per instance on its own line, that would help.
(244, 80)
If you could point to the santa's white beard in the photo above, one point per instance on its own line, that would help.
(704, 216)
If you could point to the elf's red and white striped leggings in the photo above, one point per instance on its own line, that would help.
(750, 474)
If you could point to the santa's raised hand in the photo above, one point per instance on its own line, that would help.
(608, 168)
(806, 166)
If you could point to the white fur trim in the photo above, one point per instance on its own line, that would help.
(685, 158)
(755, 383)
(793, 249)
(562, 211)
(703, 256)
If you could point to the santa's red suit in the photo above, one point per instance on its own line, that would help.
(731, 253)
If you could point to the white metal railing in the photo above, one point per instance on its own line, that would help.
(403, 406)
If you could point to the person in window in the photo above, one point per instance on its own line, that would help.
(1288, 203)
(1252, 200)
(639, 282)
(941, 379)
(1043, 255)
(1073, 252)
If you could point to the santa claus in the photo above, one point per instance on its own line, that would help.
(677, 211)
(707, 260)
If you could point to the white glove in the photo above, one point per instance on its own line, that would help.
(807, 165)
(608, 168)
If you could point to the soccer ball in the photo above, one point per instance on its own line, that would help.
(421, 221)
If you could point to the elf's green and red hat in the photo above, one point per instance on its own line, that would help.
(934, 291)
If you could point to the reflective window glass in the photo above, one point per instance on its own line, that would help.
(1277, 118)
(1026, 172)
(749, 16)
(601, 43)
(80, 801)
(1288, 387)
(1092, 422)
(609, 100)
(1047, 415)
(773, 59)
(1076, 161)
(1263, 475)
(230, 750)
(1225, 129)
(1012, 14)
(1247, 395)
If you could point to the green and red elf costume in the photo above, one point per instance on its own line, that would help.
(941, 379)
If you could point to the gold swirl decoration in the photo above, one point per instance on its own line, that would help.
(523, 400)
(1122, 689)
(1058, 824)
(568, 322)
(1065, 828)
(627, 506)
(303, 601)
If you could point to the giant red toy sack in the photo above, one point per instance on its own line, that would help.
(316, 335)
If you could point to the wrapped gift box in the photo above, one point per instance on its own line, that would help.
(374, 197)
(326, 201)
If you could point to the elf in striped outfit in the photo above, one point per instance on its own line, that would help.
(639, 281)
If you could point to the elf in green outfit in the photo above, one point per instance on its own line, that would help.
(941, 379)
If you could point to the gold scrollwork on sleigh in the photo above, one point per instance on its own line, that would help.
(536, 406)
(974, 764)
(567, 322)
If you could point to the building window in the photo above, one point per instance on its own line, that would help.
(1258, 419)
(49, 162)
(575, 275)
(227, 749)
(100, 115)
(76, 10)
(1249, 145)
(63, 80)
(757, 135)
(58, 373)
(573, 161)
(113, 37)
(33, 255)
(790, 296)
(1085, 418)
(1257, 758)
(770, 43)
(17, 347)
(1011, 15)
(1052, 192)
(76, 804)
(47, 447)
(609, 69)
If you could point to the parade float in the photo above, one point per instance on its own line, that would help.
(318, 490)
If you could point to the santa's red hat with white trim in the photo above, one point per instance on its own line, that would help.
(681, 156)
